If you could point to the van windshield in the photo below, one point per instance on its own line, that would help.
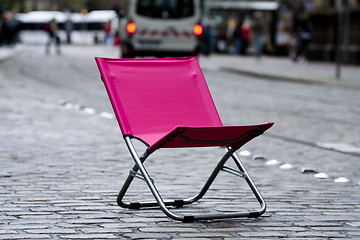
(165, 8)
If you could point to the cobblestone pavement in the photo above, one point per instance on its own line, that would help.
(62, 164)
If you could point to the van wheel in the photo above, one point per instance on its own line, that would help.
(126, 52)
(128, 55)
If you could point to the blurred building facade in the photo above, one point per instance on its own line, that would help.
(335, 27)
(229, 15)
(74, 5)
(334, 23)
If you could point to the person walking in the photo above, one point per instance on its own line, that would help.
(245, 37)
(53, 32)
(9, 27)
(257, 32)
(108, 38)
(302, 38)
(208, 37)
(237, 38)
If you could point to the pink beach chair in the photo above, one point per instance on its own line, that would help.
(165, 103)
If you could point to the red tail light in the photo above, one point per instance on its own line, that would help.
(131, 27)
(198, 30)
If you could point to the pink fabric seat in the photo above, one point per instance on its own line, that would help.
(152, 98)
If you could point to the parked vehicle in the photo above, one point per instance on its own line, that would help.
(161, 28)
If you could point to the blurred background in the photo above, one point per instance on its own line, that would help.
(316, 29)
(292, 62)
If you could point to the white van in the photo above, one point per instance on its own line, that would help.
(161, 28)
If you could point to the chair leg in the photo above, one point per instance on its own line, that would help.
(251, 184)
(143, 204)
(163, 204)
(176, 202)
(123, 190)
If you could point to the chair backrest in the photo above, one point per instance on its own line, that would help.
(150, 97)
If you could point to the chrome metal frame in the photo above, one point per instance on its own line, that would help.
(144, 175)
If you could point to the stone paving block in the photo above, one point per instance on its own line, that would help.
(115, 230)
(337, 213)
(50, 231)
(319, 234)
(39, 199)
(191, 238)
(337, 229)
(332, 218)
(93, 205)
(262, 234)
(199, 225)
(292, 229)
(143, 219)
(89, 236)
(291, 238)
(266, 223)
(167, 230)
(25, 226)
(31, 214)
(89, 221)
(47, 209)
(147, 236)
(317, 224)
(33, 222)
(249, 238)
(289, 213)
(42, 217)
(353, 224)
(116, 225)
(353, 233)
(8, 232)
(232, 229)
(95, 208)
(74, 226)
(25, 236)
(7, 218)
(204, 235)
(332, 206)
(10, 209)
(99, 216)
(78, 213)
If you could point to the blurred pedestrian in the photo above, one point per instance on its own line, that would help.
(221, 41)
(117, 39)
(53, 32)
(258, 34)
(108, 38)
(1, 31)
(302, 39)
(207, 37)
(9, 29)
(237, 38)
(244, 37)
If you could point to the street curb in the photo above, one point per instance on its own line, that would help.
(287, 78)
(13, 53)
